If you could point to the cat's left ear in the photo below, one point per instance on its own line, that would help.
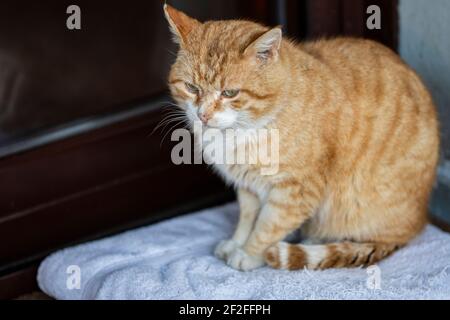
(180, 23)
(266, 46)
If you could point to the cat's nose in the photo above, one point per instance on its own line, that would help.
(204, 117)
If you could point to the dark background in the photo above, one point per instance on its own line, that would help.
(51, 76)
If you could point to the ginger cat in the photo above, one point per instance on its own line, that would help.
(358, 139)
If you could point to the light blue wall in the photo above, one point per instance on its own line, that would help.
(424, 43)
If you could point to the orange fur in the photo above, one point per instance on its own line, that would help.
(358, 141)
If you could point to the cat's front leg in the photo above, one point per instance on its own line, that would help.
(249, 206)
(286, 208)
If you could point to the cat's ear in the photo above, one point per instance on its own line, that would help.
(180, 24)
(266, 46)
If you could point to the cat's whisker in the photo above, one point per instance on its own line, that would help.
(171, 52)
(171, 129)
(165, 102)
(167, 120)
(170, 115)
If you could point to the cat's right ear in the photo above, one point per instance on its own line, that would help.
(180, 24)
(267, 46)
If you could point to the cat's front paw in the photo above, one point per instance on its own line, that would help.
(241, 260)
(225, 248)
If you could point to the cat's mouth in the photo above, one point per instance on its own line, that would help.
(214, 126)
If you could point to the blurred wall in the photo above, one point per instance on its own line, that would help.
(424, 42)
(425, 45)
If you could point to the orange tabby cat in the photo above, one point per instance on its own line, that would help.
(358, 140)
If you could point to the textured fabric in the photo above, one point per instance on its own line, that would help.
(174, 260)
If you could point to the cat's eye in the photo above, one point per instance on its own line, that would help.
(191, 88)
(230, 93)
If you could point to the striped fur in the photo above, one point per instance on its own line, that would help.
(324, 256)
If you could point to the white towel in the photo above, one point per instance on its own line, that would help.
(174, 260)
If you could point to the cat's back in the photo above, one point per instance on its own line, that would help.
(372, 76)
(361, 63)
(360, 52)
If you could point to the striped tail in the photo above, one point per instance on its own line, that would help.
(333, 255)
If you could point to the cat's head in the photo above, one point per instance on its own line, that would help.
(226, 74)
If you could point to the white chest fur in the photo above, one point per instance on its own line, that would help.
(234, 168)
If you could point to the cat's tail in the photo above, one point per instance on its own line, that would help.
(333, 255)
